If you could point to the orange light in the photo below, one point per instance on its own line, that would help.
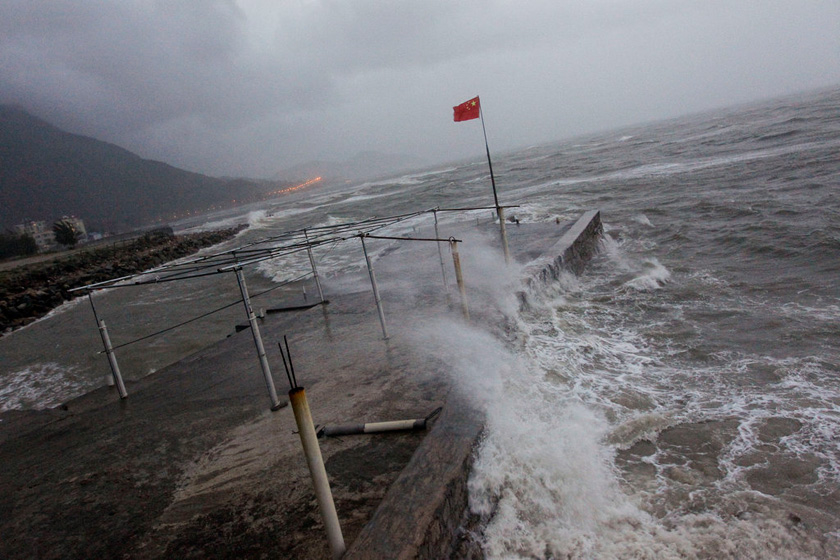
(296, 187)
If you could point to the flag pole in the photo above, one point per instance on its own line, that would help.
(499, 210)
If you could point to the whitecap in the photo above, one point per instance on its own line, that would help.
(39, 386)
(642, 219)
(652, 277)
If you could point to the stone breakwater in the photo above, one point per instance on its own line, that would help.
(31, 291)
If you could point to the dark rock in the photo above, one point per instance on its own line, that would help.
(30, 292)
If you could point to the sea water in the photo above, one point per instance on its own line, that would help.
(678, 399)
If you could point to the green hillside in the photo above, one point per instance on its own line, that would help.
(46, 173)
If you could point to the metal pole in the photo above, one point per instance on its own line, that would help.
(315, 462)
(459, 278)
(112, 359)
(375, 289)
(501, 212)
(489, 162)
(314, 269)
(255, 331)
(440, 254)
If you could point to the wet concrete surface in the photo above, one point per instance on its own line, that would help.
(193, 464)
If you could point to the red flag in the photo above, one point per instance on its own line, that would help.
(468, 110)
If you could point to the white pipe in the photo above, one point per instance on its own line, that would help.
(440, 254)
(112, 360)
(459, 278)
(258, 343)
(374, 427)
(315, 462)
(501, 212)
(375, 289)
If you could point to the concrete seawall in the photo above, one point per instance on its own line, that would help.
(570, 253)
(193, 464)
(424, 512)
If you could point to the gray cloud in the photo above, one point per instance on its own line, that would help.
(248, 87)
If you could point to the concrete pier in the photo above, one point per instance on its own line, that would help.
(195, 464)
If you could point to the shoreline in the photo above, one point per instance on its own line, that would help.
(31, 291)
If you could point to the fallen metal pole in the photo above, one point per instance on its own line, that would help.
(315, 462)
(314, 268)
(459, 278)
(293, 308)
(255, 331)
(373, 427)
(112, 359)
(375, 289)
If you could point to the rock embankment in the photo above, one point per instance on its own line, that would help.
(30, 292)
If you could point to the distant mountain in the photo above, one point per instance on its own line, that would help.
(365, 165)
(46, 173)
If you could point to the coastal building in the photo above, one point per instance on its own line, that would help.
(43, 234)
(39, 231)
(77, 223)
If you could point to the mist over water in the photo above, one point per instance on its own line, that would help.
(679, 399)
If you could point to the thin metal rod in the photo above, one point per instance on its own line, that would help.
(258, 343)
(222, 262)
(375, 289)
(93, 307)
(291, 365)
(489, 163)
(266, 257)
(315, 462)
(474, 208)
(440, 255)
(292, 384)
(112, 359)
(459, 278)
(203, 315)
(314, 268)
(437, 239)
(499, 210)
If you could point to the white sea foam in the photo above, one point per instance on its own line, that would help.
(405, 180)
(642, 219)
(586, 385)
(213, 225)
(544, 481)
(363, 197)
(825, 313)
(667, 168)
(645, 273)
(544, 477)
(652, 276)
(409, 179)
(708, 278)
(39, 386)
(534, 212)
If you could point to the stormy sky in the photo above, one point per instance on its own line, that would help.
(248, 87)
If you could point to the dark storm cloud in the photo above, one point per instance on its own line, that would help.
(139, 63)
(246, 87)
